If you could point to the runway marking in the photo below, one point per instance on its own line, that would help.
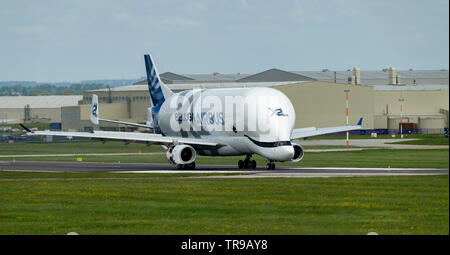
(80, 155)
(309, 175)
(280, 172)
(351, 172)
(186, 172)
(31, 179)
(366, 168)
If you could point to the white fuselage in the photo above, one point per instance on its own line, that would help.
(243, 120)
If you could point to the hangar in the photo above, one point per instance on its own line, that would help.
(18, 109)
(382, 97)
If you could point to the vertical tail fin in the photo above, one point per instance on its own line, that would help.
(157, 89)
(94, 110)
(360, 122)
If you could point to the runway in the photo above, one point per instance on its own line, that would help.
(260, 172)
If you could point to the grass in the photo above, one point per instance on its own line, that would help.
(15, 175)
(436, 158)
(386, 205)
(402, 158)
(424, 139)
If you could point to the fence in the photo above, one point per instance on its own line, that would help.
(442, 131)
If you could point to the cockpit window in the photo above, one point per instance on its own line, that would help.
(270, 144)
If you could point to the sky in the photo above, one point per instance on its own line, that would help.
(68, 40)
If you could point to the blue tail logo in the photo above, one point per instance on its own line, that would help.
(360, 122)
(154, 83)
(155, 90)
(94, 110)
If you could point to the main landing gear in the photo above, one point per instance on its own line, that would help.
(247, 163)
(189, 166)
(270, 165)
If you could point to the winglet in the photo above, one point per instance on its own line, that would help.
(360, 122)
(94, 110)
(24, 127)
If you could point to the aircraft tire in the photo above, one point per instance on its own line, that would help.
(270, 166)
(241, 164)
(253, 164)
(246, 164)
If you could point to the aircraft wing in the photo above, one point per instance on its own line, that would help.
(123, 136)
(313, 131)
(130, 137)
(127, 123)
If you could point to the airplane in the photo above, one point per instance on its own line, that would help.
(213, 122)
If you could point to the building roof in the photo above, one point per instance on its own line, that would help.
(184, 86)
(368, 77)
(374, 77)
(170, 78)
(174, 77)
(38, 101)
(275, 75)
(217, 77)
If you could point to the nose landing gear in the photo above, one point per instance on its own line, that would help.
(270, 165)
(247, 163)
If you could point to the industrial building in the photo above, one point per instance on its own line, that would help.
(19, 109)
(382, 97)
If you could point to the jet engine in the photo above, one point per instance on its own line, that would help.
(181, 154)
(298, 152)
